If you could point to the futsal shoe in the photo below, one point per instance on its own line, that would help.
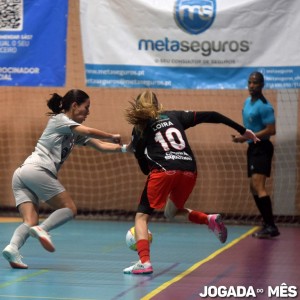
(216, 224)
(14, 258)
(44, 238)
(267, 232)
(139, 268)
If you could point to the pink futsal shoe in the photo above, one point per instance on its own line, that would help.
(14, 258)
(139, 269)
(44, 238)
(216, 224)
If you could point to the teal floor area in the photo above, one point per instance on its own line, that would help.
(90, 257)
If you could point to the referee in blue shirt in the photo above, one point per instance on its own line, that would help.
(258, 115)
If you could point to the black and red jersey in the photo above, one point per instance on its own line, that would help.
(163, 144)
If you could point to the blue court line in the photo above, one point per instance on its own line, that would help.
(197, 265)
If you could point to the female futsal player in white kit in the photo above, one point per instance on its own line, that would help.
(36, 179)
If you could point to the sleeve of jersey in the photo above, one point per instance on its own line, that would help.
(215, 117)
(267, 115)
(63, 124)
(139, 153)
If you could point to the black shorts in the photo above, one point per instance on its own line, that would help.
(259, 158)
(144, 205)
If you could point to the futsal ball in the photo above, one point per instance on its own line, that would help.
(130, 238)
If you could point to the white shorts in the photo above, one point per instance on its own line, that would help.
(32, 183)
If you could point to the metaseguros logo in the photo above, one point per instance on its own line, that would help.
(194, 16)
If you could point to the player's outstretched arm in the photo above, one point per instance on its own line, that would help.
(215, 117)
(102, 146)
(96, 133)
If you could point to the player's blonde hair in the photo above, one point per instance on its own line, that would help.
(144, 108)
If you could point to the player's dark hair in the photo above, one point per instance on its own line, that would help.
(259, 76)
(261, 79)
(58, 104)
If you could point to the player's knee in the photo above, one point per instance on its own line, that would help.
(31, 222)
(71, 210)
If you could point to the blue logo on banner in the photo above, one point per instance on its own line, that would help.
(195, 16)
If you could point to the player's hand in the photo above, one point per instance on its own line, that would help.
(250, 135)
(238, 138)
(116, 138)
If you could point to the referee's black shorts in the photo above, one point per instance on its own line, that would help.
(259, 158)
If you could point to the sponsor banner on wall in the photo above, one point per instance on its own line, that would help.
(190, 44)
(33, 42)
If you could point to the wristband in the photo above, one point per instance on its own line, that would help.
(124, 148)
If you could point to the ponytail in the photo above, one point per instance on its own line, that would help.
(55, 104)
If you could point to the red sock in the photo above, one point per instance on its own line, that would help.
(198, 217)
(143, 249)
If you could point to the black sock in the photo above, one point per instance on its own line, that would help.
(264, 205)
(258, 203)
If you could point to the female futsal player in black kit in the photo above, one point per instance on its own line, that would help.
(161, 147)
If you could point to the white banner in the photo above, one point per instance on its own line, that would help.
(190, 44)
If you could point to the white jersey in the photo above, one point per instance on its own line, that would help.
(56, 143)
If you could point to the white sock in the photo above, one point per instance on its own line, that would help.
(57, 218)
(20, 236)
